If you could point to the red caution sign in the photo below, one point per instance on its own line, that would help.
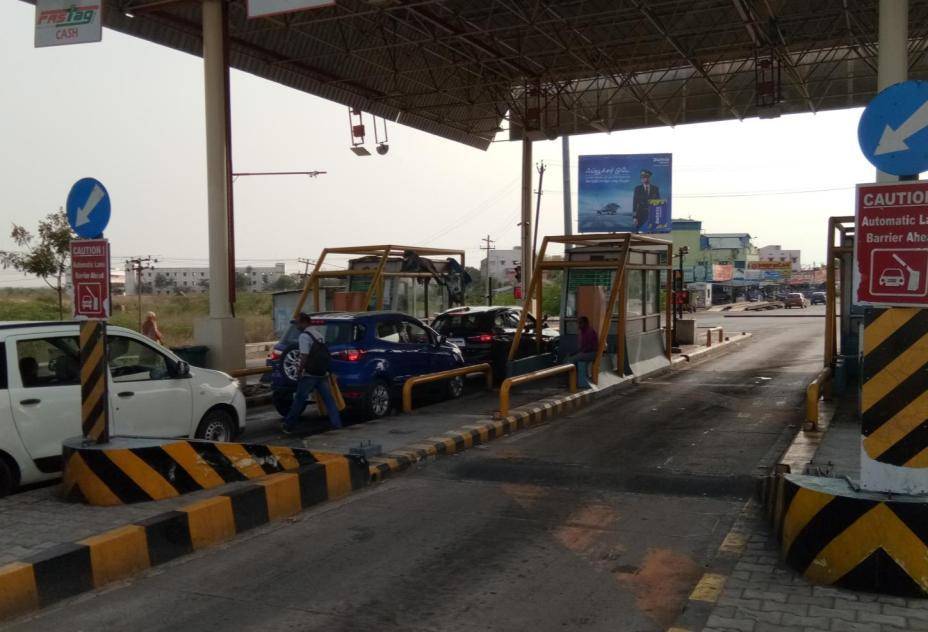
(90, 277)
(891, 245)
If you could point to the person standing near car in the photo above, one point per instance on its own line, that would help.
(314, 367)
(150, 328)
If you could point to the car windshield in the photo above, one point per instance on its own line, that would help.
(332, 332)
(461, 323)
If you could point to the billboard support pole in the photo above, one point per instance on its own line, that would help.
(526, 224)
(565, 160)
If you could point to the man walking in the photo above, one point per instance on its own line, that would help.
(313, 371)
(641, 202)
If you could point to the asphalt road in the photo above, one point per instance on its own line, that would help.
(602, 520)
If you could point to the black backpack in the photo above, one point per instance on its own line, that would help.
(319, 359)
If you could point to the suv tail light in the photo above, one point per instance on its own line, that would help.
(349, 355)
(274, 355)
(481, 338)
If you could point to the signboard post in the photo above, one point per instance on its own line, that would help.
(59, 22)
(891, 244)
(88, 210)
(893, 130)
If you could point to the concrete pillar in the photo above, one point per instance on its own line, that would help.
(891, 458)
(223, 334)
(893, 58)
(528, 257)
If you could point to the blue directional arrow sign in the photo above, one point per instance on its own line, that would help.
(88, 208)
(893, 130)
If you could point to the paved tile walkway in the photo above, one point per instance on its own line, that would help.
(763, 595)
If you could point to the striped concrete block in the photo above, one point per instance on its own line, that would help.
(123, 472)
(70, 569)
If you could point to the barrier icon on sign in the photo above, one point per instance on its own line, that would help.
(899, 272)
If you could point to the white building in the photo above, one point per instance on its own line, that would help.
(776, 253)
(189, 280)
(502, 264)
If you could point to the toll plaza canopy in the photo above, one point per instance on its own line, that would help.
(460, 68)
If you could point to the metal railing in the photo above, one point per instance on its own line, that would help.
(541, 374)
(709, 335)
(813, 392)
(463, 371)
(258, 370)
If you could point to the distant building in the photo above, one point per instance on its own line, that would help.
(711, 256)
(776, 253)
(190, 280)
(502, 264)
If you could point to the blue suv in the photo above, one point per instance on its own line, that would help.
(373, 354)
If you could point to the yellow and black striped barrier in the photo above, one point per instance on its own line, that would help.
(70, 569)
(894, 395)
(834, 535)
(94, 397)
(128, 470)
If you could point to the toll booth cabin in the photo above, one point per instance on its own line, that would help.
(420, 282)
(620, 282)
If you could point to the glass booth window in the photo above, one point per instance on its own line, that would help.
(634, 293)
(652, 293)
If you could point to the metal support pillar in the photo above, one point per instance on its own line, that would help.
(223, 334)
(527, 253)
(565, 159)
(893, 56)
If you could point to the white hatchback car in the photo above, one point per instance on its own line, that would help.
(153, 393)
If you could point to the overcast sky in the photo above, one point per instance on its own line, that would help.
(130, 114)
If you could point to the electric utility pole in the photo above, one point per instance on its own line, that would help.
(489, 246)
(541, 178)
(306, 263)
(137, 264)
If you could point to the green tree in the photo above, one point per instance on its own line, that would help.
(242, 281)
(163, 282)
(45, 255)
(284, 282)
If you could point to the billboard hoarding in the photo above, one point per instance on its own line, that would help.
(722, 271)
(624, 193)
(769, 270)
(891, 244)
(59, 22)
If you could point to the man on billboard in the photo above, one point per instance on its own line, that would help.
(644, 193)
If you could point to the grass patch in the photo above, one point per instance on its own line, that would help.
(176, 314)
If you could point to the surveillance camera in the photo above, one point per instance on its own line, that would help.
(382, 149)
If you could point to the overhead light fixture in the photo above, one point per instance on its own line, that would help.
(129, 14)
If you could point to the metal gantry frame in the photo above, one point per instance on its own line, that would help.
(378, 275)
(459, 69)
(624, 243)
(840, 227)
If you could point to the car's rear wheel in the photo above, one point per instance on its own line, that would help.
(454, 388)
(217, 425)
(7, 479)
(377, 400)
(290, 363)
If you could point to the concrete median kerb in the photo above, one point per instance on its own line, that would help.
(73, 568)
(523, 417)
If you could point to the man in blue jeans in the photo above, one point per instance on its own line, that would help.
(586, 352)
(314, 375)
